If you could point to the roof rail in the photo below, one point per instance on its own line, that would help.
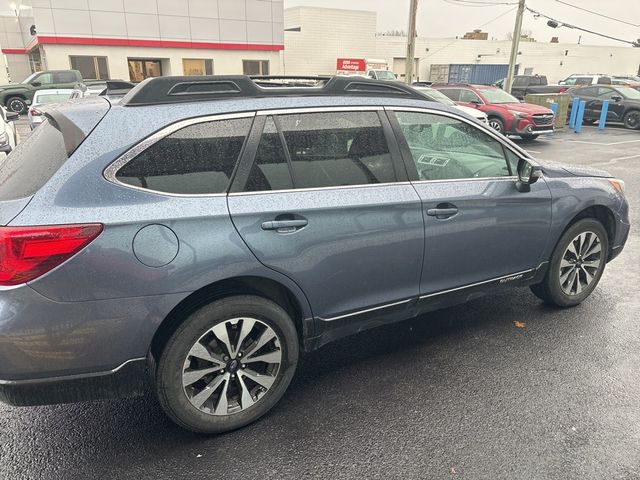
(162, 90)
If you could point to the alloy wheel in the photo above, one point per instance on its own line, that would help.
(232, 366)
(633, 120)
(580, 263)
(496, 125)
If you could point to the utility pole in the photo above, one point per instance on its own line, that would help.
(411, 42)
(515, 45)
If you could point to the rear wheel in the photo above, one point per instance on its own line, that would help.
(496, 124)
(576, 266)
(17, 104)
(227, 364)
(632, 119)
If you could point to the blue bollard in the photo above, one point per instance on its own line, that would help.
(574, 112)
(603, 115)
(554, 108)
(580, 116)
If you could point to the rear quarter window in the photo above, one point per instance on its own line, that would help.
(32, 163)
(195, 160)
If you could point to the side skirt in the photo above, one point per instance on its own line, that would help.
(331, 329)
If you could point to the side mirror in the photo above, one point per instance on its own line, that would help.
(528, 174)
(36, 84)
(12, 116)
(616, 98)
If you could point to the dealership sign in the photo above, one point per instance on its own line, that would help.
(352, 64)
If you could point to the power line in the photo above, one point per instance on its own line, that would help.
(597, 13)
(479, 26)
(559, 23)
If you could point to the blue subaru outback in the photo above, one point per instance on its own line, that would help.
(201, 231)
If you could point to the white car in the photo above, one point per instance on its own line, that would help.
(8, 135)
(45, 97)
(440, 97)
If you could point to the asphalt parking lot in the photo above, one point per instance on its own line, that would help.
(500, 388)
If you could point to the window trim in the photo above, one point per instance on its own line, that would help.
(248, 158)
(408, 160)
(109, 173)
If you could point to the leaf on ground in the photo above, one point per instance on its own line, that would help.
(453, 471)
(519, 324)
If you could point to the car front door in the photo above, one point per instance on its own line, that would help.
(324, 199)
(615, 111)
(478, 227)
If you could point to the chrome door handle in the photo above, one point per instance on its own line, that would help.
(285, 226)
(442, 212)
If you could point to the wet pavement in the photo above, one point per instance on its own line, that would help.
(500, 388)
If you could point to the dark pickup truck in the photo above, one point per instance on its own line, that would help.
(526, 84)
(18, 96)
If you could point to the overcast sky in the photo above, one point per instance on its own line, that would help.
(441, 18)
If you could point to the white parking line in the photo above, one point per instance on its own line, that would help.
(604, 144)
(627, 157)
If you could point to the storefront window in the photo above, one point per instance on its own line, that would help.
(197, 66)
(141, 68)
(255, 67)
(91, 68)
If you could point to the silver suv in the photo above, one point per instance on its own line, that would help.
(202, 231)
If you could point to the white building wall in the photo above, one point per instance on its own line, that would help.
(328, 34)
(227, 62)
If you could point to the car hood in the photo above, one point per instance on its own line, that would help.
(526, 108)
(554, 169)
(12, 86)
(472, 111)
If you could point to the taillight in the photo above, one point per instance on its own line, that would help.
(34, 112)
(29, 252)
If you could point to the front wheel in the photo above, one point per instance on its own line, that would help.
(227, 364)
(632, 119)
(576, 265)
(496, 124)
(17, 104)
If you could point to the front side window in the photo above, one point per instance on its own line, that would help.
(469, 97)
(44, 79)
(337, 149)
(444, 148)
(198, 159)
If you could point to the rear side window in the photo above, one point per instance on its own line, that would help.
(198, 159)
(32, 163)
(270, 169)
(337, 149)
(452, 93)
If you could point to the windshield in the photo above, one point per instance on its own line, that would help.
(30, 77)
(385, 75)
(436, 96)
(629, 92)
(495, 95)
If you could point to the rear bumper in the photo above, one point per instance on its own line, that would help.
(127, 380)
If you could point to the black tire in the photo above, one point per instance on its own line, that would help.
(497, 124)
(550, 289)
(631, 119)
(16, 104)
(528, 138)
(169, 388)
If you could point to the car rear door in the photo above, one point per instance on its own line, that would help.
(478, 227)
(615, 111)
(327, 203)
(590, 96)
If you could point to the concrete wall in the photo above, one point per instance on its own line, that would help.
(224, 61)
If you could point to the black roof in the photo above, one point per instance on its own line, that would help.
(161, 90)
